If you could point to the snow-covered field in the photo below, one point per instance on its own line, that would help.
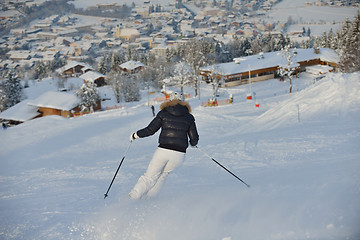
(299, 152)
(299, 11)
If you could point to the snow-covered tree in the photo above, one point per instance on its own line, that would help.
(12, 91)
(102, 66)
(182, 76)
(131, 90)
(324, 43)
(196, 54)
(89, 95)
(116, 60)
(215, 79)
(125, 87)
(289, 67)
(2, 100)
(257, 44)
(349, 50)
(39, 70)
(238, 47)
(117, 85)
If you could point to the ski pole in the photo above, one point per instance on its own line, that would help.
(222, 166)
(106, 194)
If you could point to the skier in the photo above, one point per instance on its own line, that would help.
(153, 110)
(177, 127)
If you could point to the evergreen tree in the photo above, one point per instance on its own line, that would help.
(331, 40)
(324, 43)
(354, 44)
(257, 45)
(12, 91)
(280, 43)
(116, 60)
(308, 33)
(238, 47)
(269, 43)
(349, 49)
(39, 70)
(102, 67)
(2, 100)
(89, 95)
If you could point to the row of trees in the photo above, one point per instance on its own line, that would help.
(346, 42)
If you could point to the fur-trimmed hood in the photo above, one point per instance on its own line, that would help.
(176, 105)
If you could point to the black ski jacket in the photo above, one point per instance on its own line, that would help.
(177, 126)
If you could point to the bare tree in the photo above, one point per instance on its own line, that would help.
(182, 76)
(215, 78)
(288, 68)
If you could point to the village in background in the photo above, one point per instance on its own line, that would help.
(100, 57)
(280, 113)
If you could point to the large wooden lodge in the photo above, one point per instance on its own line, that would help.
(264, 66)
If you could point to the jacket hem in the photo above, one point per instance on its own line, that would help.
(171, 147)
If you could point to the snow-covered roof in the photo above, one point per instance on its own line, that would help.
(268, 60)
(131, 65)
(91, 76)
(56, 100)
(20, 112)
(319, 69)
(129, 32)
(72, 64)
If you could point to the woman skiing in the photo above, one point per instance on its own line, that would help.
(177, 127)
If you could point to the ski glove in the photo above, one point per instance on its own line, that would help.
(133, 137)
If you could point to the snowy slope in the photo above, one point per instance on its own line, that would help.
(303, 170)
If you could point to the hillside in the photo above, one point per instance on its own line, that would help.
(299, 152)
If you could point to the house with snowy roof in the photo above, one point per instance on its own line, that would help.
(20, 113)
(97, 78)
(57, 103)
(264, 66)
(19, 54)
(132, 66)
(61, 104)
(73, 69)
(127, 34)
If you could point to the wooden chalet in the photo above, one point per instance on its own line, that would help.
(20, 113)
(264, 66)
(132, 66)
(59, 103)
(74, 69)
(97, 78)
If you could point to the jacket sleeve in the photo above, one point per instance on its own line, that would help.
(193, 134)
(151, 129)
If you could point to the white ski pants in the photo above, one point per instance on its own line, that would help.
(163, 162)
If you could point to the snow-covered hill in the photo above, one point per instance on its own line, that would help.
(299, 152)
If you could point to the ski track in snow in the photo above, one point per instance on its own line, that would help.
(303, 174)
